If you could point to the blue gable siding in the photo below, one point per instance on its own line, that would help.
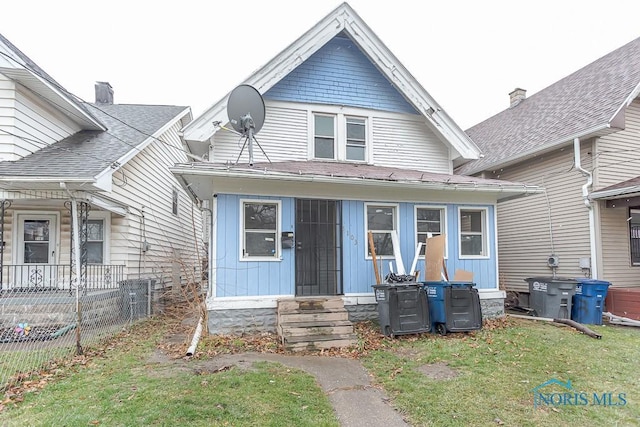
(255, 278)
(339, 73)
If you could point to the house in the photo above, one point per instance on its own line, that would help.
(351, 143)
(85, 188)
(579, 139)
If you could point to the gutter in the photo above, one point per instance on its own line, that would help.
(282, 176)
(587, 203)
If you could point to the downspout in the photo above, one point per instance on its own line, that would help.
(587, 203)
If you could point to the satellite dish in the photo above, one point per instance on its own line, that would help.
(245, 104)
(246, 112)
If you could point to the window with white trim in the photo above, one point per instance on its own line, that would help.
(473, 232)
(339, 137)
(174, 201)
(430, 219)
(98, 229)
(260, 230)
(324, 146)
(634, 236)
(381, 220)
(356, 139)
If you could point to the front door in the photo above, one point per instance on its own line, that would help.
(318, 248)
(36, 252)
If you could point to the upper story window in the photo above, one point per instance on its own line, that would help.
(324, 139)
(340, 137)
(174, 201)
(473, 233)
(356, 139)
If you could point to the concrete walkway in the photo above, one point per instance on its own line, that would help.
(345, 381)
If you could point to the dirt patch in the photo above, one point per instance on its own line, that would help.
(438, 371)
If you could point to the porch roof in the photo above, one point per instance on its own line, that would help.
(353, 174)
(629, 188)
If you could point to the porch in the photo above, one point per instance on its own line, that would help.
(58, 277)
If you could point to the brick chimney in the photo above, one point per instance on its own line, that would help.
(517, 96)
(104, 93)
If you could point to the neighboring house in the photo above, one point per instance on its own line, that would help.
(106, 162)
(355, 144)
(580, 139)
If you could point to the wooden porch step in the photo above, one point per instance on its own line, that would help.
(314, 323)
(310, 303)
(295, 331)
(319, 345)
(313, 316)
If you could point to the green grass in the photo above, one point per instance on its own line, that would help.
(497, 370)
(125, 388)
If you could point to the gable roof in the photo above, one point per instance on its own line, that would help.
(587, 103)
(88, 155)
(342, 19)
(19, 67)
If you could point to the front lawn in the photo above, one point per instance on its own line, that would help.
(493, 372)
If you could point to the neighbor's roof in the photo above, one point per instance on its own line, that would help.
(342, 19)
(87, 154)
(629, 188)
(21, 68)
(587, 103)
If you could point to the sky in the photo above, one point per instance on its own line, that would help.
(468, 54)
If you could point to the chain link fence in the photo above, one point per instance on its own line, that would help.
(38, 326)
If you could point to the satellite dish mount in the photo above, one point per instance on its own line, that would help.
(246, 112)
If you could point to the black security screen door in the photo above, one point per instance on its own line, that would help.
(318, 248)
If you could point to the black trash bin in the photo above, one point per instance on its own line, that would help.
(551, 296)
(453, 306)
(402, 309)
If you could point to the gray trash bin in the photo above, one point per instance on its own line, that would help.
(402, 309)
(551, 296)
(135, 298)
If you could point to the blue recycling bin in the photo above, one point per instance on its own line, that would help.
(453, 306)
(588, 301)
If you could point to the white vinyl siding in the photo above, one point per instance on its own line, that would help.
(148, 188)
(409, 144)
(396, 140)
(524, 235)
(28, 123)
(283, 136)
(618, 154)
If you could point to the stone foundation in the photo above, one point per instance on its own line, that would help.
(244, 320)
(362, 312)
(492, 308)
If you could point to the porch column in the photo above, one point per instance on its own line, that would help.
(4, 205)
